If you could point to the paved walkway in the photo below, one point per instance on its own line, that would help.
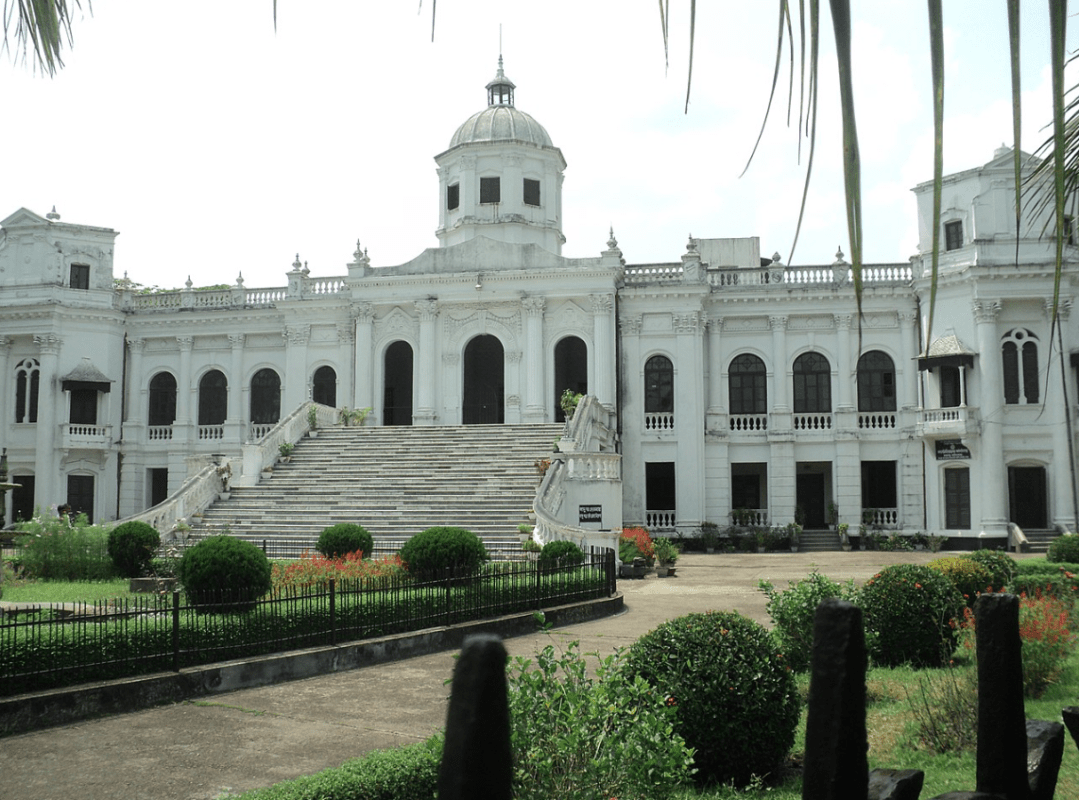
(255, 737)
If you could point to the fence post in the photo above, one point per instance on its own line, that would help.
(333, 611)
(175, 631)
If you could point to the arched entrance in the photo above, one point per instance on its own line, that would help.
(397, 382)
(484, 382)
(324, 386)
(570, 371)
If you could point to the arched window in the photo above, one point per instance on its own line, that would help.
(27, 376)
(162, 399)
(747, 385)
(570, 371)
(213, 398)
(265, 397)
(324, 386)
(1019, 354)
(658, 385)
(876, 382)
(812, 384)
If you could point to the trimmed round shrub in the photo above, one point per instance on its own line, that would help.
(1064, 548)
(908, 611)
(131, 547)
(793, 611)
(737, 701)
(440, 548)
(568, 553)
(344, 538)
(223, 573)
(1002, 567)
(970, 577)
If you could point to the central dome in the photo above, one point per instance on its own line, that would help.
(500, 121)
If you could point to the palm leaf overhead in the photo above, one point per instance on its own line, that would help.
(39, 29)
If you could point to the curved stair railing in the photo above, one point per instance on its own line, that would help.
(585, 477)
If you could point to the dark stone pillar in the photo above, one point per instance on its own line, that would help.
(1002, 728)
(476, 760)
(836, 767)
(1045, 749)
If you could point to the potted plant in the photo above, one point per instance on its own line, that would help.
(794, 533)
(709, 536)
(354, 416)
(285, 449)
(532, 547)
(568, 402)
(312, 421)
(844, 539)
(525, 530)
(224, 471)
(833, 513)
(666, 554)
(761, 535)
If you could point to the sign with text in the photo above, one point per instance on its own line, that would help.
(589, 514)
(951, 450)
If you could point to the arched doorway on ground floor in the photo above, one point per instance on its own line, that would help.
(397, 384)
(483, 379)
(570, 371)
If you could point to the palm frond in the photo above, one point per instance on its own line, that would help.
(936, 55)
(40, 27)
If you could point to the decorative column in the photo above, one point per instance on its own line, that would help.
(424, 413)
(715, 401)
(513, 387)
(364, 315)
(535, 409)
(346, 336)
(632, 416)
(136, 396)
(845, 370)
(184, 392)
(294, 390)
(48, 488)
(451, 388)
(1064, 488)
(779, 365)
(5, 377)
(993, 484)
(603, 365)
(907, 376)
(236, 371)
(689, 419)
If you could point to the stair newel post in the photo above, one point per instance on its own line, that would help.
(333, 612)
(175, 631)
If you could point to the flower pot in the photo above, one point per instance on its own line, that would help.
(760, 548)
(222, 496)
(312, 434)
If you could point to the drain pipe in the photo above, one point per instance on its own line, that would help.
(1068, 426)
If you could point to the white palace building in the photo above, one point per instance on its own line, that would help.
(729, 381)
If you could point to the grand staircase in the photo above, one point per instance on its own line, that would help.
(395, 481)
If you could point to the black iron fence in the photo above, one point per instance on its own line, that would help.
(66, 644)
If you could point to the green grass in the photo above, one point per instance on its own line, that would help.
(65, 591)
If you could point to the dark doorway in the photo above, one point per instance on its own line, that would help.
(159, 485)
(1027, 497)
(265, 397)
(484, 382)
(80, 495)
(659, 494)
(878, 484)
(570, 371)
(397, 395)
(809, 497)
(213, 398)
(162, 399)
(324, 387)
(22, 498)
(83, 407)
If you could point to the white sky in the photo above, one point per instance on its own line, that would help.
(216, 146)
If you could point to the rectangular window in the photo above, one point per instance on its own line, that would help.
(532, 192)
(490, 190)
(453, 196)
(879, 484)
(953, 235)
(159, 484)
(22, 498)
(80, 276)
(83, 407)
(950, 387)
(957, 498)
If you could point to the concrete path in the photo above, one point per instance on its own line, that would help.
(255, 737)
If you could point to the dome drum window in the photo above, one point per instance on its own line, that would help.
(490, 190)
(453, 197)
(531, 192)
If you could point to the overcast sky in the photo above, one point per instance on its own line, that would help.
(216, 145)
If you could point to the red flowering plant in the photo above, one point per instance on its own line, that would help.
(1046, 633)
(635, 543)
(313, 571)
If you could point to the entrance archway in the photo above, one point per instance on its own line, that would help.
(397, 384)
(570, 371)
(483, 399)
(1027, 497)
(324, 386)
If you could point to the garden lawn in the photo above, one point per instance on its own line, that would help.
(65, 591)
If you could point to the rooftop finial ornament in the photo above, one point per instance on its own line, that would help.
(297, 265)
(839, 255)
(52, 214)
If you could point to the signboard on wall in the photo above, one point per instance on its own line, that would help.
(952, 450)
(589, 514)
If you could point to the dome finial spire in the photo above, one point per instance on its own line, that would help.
(500, 89)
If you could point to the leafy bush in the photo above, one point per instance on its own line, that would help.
(54, 549)
(945, 707)
(440, 548)
(1064, 548)
(131, 547)
(223, 573)
(345, 537)
(1062, 585)
(737, 701)
(908, 613)
(578, 736)
(1042, 566)
(792, 613)
(970, 577)
(409, 772)
(635, 543)
(1002, 567)
(567, 553)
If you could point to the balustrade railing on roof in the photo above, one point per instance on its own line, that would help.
(773, 275)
